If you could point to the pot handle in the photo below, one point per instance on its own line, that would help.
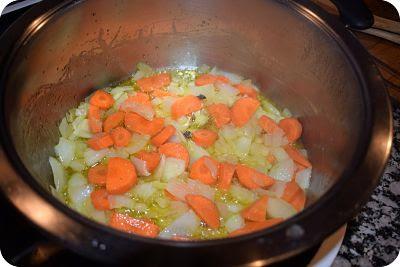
(354, 13)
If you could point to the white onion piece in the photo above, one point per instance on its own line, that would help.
(242, 194)
(141, 166)
(211, 166)
(278, 188)
(243, 145)
(173, 168)
(180, 189)
(121, 201)
(78, 190)
(144, 191)
(145, 111)
(137, 143)
(235, 222)
(303, 178)
(58, 174)
(276, 139)
(195, 152)
(184, 226)
(278, 208)
(177, 208)
(81, 128)
(117, 153)
(283, 170)
(65, 150)
(263, 192)
(233, 78)
(223, 209)
(93, 156)
(159, 171)
(235, 208)
(279, 153)
(93, 213)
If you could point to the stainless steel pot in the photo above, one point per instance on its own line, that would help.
(301, 57)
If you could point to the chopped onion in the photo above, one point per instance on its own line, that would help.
(278, 208)
(180, 189)
(195, 152)
(58, 174)
(78, 190)
(227, 94)
(94, 156)
(117, 152)
(184, 226)
(233, 207)
(283, 170)
(242, 194)
(173, 168)
(279, 153)
(223, 209)
(278, 188)
(233, 78)
(141, 166)
(144, 191)
(303, 178)
(81, 127)
(234, 222)
(211, 166)
(145, 111)
(276, 139)
(65, 128)
(137, 143)
(65, 150)
(77, 165)
(243, 145)
(121, 201)
(159, 171)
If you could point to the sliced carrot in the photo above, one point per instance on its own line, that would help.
(121, 175)
(175, 150)
(163, 136)
(152, 159)
(138, 124)
(170, 196)
(205, 209)
(94, 117)
(154, 82)
(120, 136)
(294, 195)
(255, 226)
(185, 105)
(220, 113)
(100, 141)
(252, 178)
(132, 225)
(297, 157)
(268, 125)
(113, 120)
(225, 175)
(204, 138)
(292, 128)
(97, 174)
(210, 79)
(246, 90)
(99, 199)
(205, 170)
(243, 109)
(101, 99)
(271, 159)
(160, 93)
(137, 101)
(257, 211)
(299, 201)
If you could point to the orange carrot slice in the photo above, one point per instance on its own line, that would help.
(292, 128)
(175, 150)
(121, 175)
(257, 211)
(99, 199)
(138, 124)
(205, 209)
(205, 170)
(256, 226)
(94, 117)
(246, 90)
(100, 141)
(113, 120)
(210, 79)
(220, 113)
(225, 175)
(243, 109)
(160, 93)
(120, 136)
(131, 225)
(268, 125)
(294, 195)
(97, 174)
(204, 138)
(185, 105)
(299, 200)
(101, 99)
(251, 178)
(297, 157)
(163, 136)
(152, 159)
(154, 82)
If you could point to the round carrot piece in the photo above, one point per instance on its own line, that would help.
(121, 176)
(257, 211)
(268, 125)
(154, 82)
(204, 138)
(121, 136)
(152, 159)
(163, 136)
(246, 90)
(243, 109)
(296, 156)
(100, 141)
(292, 128)
(175, 150)
(225, 175)
(132, 225)
(252, 178)
(205, 170)
(205, 209)
(101, 99)
(97, 174)
(94, 117)
(220, 113)
(99, 199)
(113, 120)
(256, 226)
(185, 105)
(138, 124)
